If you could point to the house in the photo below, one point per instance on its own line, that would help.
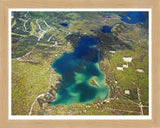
(127, 92)
(127, 59)
(112, 52)
(125, 65)
(120, 68)
(140, 70)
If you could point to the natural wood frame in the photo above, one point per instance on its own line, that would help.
(4, 8)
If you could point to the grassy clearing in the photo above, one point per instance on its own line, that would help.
(28, 82)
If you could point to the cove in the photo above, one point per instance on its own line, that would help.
(77, 69)
(133, 17)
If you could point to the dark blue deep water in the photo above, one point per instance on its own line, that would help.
(64, 24)
(106, 29)
(133, 17)
(130, 18)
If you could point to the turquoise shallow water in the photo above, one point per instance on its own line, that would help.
(77, 69)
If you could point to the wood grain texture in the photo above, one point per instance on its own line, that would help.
(6, 4)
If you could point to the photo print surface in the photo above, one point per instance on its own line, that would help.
(79, 63)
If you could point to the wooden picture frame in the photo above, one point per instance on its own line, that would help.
(4, 63)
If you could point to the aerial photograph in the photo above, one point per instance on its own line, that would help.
(79, 62)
